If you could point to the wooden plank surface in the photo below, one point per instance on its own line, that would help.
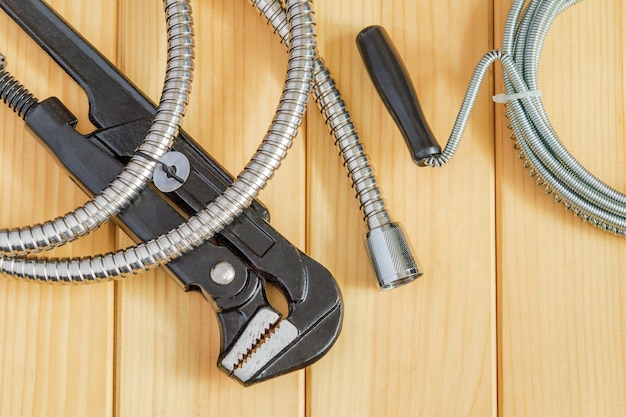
(519, 312)
(427, 348)
(56, 355)
(562, 325)
(169, 340)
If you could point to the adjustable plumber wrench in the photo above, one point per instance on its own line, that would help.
(232, 269)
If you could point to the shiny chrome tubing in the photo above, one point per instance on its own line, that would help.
(388, 247)
(222, 210)
(127, 186)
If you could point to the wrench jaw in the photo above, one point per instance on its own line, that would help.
(263, 339)
(269, 346)
(305, 349)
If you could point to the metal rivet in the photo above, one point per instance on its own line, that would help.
(223, 273)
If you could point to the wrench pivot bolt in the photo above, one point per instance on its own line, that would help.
(223, 273)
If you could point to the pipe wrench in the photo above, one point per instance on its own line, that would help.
(232, 269)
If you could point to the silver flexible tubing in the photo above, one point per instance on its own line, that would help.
(543, 153)
(388, 248)
(225, 207)
(339, 122)
(129, 183)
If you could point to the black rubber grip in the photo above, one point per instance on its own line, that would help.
(394, 86)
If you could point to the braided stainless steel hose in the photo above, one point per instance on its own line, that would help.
(222, 210)
(389, 250)
(127, 186)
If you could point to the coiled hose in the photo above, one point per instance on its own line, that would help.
(222, 210)
(127, 186)
(555, 168)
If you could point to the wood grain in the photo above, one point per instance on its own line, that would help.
(426, 349)
(561, 293)
(56, 356)
(168, 340)
(519, 312)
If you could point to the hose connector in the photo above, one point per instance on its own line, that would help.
(391, 256)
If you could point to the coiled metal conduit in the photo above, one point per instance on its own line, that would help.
(127, 186)
(227, 206)
(339, 122)
(543, 153)
(389, 250)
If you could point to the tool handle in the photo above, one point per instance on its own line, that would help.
(394, 86)
(111, 97)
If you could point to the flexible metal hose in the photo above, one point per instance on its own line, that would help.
(388, 248)
(339, 122)
(555, 168)
(223, 209)
(127, 186)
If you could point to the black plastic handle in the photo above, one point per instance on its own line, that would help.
(394, 86)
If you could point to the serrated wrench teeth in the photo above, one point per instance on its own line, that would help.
(260, 342)
(261, 355)
(260, 324)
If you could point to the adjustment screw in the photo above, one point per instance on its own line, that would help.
(223, 273)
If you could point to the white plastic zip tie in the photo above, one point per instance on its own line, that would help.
(505, 98)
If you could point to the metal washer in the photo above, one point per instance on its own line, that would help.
(165, 182)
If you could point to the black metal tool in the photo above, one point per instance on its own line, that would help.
(230, 270)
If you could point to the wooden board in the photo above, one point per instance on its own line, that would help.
(518, 313)
(427, 348)
(560, 281)
(169, 340)
(56, 351)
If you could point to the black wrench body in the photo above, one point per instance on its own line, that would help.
(258, 253)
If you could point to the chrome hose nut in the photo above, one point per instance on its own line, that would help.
(391, 256)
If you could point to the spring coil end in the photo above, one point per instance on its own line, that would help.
(14, 94)
(559, 198)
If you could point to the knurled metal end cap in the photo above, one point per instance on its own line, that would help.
(391, 256)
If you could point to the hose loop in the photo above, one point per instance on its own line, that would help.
(225, 207)
(133, 179)
(540, 148)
